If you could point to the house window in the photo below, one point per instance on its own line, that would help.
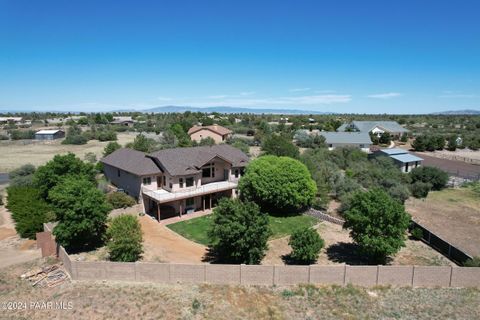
(237, 173)
(189, 202)
(208, 171)
(189, 182)
(118, 172)
(147, 180)
(180, 181)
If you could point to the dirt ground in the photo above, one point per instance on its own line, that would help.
(339, 249)
(452, 214)
(17, 153)
(453, 167)
(160, 244)
(112, 300)
(13, 249)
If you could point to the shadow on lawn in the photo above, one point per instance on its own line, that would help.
(347, 252)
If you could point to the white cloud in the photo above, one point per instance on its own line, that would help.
(387, 95)
(299, 89)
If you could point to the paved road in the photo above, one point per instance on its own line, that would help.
(453, 167)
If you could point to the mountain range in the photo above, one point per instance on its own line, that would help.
(459, 112)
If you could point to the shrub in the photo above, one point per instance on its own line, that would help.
(377, 223)
(474, 262)
(107, 135)
(420, 189)
(417, 233)
(110, 148)
(81, 211)
(239, 232)
(29, 210)
(436, 177)
(124, 239)
(241, 145)
(277, 145)
(22, 135)
(306, 245)
(278, 183)
(22, 176)
(120, 200)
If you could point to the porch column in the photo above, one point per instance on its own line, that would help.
(203, 202)
(210, 199)
(158, 211)
(181, 208)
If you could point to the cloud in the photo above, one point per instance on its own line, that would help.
(387, 95)
(299, 89)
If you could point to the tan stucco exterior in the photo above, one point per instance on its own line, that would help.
(206, 133)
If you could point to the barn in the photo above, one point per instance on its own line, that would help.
(49, 134)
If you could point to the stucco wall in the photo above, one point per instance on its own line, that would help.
(204, 133)
(127, 181)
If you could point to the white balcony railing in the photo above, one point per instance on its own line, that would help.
(163, 196)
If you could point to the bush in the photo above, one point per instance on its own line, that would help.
(124, 239)
(306, 245)
(29, 210)
(22, 135)
(81, 211)
(74, 136)
(120, 200)
(280, 146)
(417, 233)
(110, 148)
(474, 262)
(107, 135)
(436, 177)
(377, 224)
(278, 183)
(22, 176)
(420, 189)
(239, 232)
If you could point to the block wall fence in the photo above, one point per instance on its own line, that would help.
(171, 273)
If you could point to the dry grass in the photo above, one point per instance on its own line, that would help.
(17, 153)
(340, 249)
(452, 214)
(111, 300)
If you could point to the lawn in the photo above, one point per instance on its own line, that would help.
(196, 229)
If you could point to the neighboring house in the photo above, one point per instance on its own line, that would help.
(4, 120)
(50, 134)
(375, 127)
(176, 181)
(123, 121)
(404, 160)
(334, 140)
(359, 140)
(217, 133)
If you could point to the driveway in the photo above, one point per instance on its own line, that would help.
(163, 245)
(453, 167)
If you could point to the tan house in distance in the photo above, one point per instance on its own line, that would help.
(217, 133)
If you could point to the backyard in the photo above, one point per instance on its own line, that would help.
(452, 214)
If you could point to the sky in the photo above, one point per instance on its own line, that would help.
(406, 56)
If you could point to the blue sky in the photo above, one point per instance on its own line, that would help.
(339, 56)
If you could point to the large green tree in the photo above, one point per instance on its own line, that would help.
(124, 239)
(81, 211)
(239, 232)
(278, 145)
(54, 171)
(278, 183)
(377, 223)
(434, 176)
(111, 147)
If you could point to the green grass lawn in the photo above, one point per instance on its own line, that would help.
(196, 229)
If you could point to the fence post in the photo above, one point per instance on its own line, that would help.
(413, 274)
(376, 280)
(274, 268)
(451, 272)
(309, 268)
(345, 275)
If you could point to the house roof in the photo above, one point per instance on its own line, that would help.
(347, 137)
(407, 157)
(367, 126)
(132, 161)
(393, 151)
(50, 131)
(214, 128)
(182, 161)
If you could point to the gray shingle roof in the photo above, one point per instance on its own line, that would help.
(347, 137)
(367, 126)
(132, 161)
(182, 161)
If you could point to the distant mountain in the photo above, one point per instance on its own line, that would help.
(459, 112)
(181, 109)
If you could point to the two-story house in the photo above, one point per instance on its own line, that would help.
(177, 181)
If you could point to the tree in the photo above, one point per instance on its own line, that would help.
(420, 189)
(142, 143)
(22, 176)
(241, 145)
(239, 232)
(385, 138)
(49, 175)
(278, 183)
(277, 145)
(306, 245)
(111, 147)
(377, 223)
(436, 177)
(29, 210)
(74, 136)
(208, 141)
(81, 211)
(124, 239)
(452, 143)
